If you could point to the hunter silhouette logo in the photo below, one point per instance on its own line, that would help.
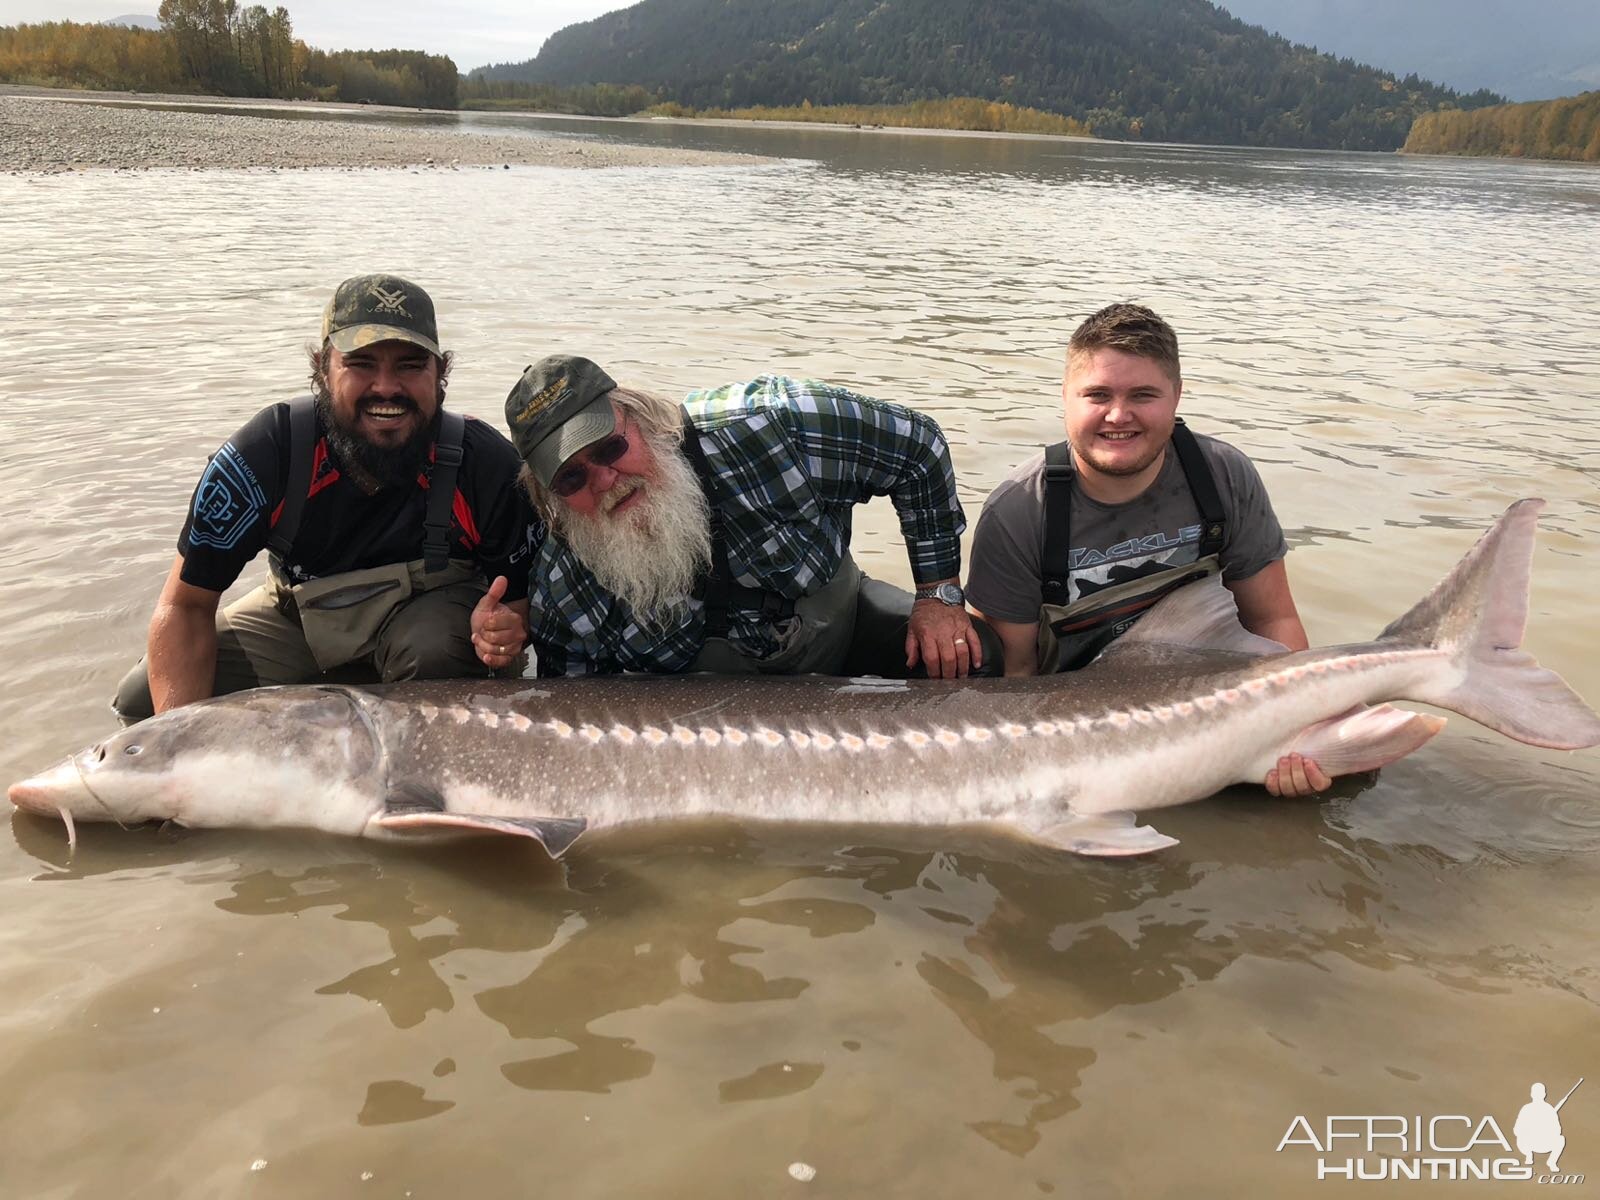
(1538, 1127)
(389, 302)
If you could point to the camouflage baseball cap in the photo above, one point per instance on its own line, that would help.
(560, 406)
(379, 308)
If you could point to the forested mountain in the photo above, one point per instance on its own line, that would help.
(1180, 70)
(1524, 49)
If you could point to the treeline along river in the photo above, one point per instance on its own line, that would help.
(1403, 345)
(1568, 128)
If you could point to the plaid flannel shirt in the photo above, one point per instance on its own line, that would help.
(790, 459)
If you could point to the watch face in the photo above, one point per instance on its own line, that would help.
(946, 593)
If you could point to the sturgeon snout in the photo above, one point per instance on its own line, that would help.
(53, 793)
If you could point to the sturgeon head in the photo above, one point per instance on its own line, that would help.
(302, 757)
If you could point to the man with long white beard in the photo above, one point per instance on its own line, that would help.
(394, 529)
(715, 535)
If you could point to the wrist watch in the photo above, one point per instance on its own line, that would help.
(944, 593)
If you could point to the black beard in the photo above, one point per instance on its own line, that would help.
(387, 466)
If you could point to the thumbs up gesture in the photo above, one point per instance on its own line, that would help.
(498, 630)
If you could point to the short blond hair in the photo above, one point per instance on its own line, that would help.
(1132, 329)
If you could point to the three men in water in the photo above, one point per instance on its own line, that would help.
(1082, 539)
(715, 535)
(712, 535)
(397, 536)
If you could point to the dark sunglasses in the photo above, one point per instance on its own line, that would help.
(572, 477)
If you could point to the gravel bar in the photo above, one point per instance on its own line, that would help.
(43, 133)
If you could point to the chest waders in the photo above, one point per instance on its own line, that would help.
(342, 614)
(814, 632)
(1072, 632)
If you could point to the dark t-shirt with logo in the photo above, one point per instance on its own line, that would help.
(1116, 543)
(342, 528)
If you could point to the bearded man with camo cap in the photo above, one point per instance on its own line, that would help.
(395, 533)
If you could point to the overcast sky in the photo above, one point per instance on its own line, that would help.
(473, 32)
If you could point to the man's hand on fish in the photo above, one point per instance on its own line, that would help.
(941, 636)
(498, 630)
(1296, 775)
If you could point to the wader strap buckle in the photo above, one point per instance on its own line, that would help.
(775, 607)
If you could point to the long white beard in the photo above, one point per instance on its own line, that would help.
(651, 556)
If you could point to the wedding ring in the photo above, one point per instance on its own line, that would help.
(961, 641)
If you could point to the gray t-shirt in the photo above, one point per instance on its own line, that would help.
(1114, 543)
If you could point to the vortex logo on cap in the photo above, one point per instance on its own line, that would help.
(389, 302)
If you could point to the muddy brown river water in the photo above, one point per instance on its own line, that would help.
(1403, 345)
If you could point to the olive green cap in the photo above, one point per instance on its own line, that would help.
(560, 406)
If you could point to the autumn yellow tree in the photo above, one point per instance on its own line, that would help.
(1566, 129)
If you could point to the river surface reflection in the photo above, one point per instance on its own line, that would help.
(1404, 346)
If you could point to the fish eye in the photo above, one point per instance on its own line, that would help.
(133, 749)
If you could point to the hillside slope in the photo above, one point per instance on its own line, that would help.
(1179, 70)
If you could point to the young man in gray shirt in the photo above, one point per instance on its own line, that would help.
(1073, 548)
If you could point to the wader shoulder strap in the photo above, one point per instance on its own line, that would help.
(302, 449)
(1056, 562)
(1202, 486)
(716, 588)
(442, 492)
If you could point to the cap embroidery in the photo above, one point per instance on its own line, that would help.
(542, 399)
(389, 302)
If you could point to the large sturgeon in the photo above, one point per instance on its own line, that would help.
(1183, 705)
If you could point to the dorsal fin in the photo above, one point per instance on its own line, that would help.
(1201, 616)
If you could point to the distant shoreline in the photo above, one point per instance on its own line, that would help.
(52, 130)
(178, 99)
(955, 114)
(1477, 156)
(55, 130)
(848, 127)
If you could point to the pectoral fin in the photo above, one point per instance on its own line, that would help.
(415, 807)
(1106, 835)
(555, 834)
(1365, 739)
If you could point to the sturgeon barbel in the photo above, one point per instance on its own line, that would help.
(1184, 704)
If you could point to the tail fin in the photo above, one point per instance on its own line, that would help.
(1478, 613)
